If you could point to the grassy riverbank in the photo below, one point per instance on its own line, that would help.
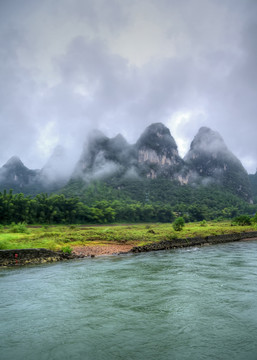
(67, 237)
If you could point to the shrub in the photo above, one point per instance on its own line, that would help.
(254, 219)
(242, 220)
(203, 223)
(66, 249)
(178, 224)
(21, 227)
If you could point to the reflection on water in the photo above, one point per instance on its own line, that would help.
(198, 303)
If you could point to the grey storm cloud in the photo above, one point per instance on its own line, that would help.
(67, 67)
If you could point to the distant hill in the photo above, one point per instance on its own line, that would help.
(149, 170)
(15, 175)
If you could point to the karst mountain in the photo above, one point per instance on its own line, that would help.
(154, 156)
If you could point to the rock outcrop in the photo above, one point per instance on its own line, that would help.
(154, 155)
(209, 160)
(157, 153)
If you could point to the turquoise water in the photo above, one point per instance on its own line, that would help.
(195, 303)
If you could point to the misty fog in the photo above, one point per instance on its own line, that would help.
(69, 67)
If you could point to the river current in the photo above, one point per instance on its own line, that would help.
(194, 303)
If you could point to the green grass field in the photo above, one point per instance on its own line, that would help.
(66, 237)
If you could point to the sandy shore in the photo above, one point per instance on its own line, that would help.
(100, 250)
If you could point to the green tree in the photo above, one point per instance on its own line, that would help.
(178, 224)
(242, 220)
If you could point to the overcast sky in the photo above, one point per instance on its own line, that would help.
(67, 66)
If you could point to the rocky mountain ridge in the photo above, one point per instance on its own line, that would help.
(209, 160)
(154, 155)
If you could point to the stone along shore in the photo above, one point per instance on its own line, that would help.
(39, 256)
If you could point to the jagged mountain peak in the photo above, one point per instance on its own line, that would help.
(14, 161)
(14, 174)
(158, 127)
(96, 135)
(209, 141)
(119, 140)
(157, 137)
(157, 152)
(211, 160)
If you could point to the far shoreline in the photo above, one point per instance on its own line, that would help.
(20, 257)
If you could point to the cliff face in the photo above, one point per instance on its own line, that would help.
(209, 160)
(154, 155)
(157, 153)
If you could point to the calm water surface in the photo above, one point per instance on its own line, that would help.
(197, 303)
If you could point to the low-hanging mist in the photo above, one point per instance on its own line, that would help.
(69, 67)
(154, 156)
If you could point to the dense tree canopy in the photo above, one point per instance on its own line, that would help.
(136, 201)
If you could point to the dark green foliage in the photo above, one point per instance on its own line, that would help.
(123, 200)
(254, 219)
(242, 220)
(158, 199)
(66, 249)
(178, 224)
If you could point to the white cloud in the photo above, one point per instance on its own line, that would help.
(48, 139)
(183, 124)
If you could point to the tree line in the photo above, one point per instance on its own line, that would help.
(58, 209)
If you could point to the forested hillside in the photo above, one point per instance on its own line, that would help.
(131, 201)
(114, 181)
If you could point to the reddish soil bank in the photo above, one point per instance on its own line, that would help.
(99, 250)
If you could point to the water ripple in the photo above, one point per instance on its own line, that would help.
(197, 303)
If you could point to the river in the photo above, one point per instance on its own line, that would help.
(193, 303)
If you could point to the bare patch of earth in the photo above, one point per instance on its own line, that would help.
(100, 250)
(248, 239)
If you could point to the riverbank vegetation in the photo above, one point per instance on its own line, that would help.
(100, 205)
(67, 237)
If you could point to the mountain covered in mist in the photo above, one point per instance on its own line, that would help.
(209, 160)
(154, 156)
(15, 175)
